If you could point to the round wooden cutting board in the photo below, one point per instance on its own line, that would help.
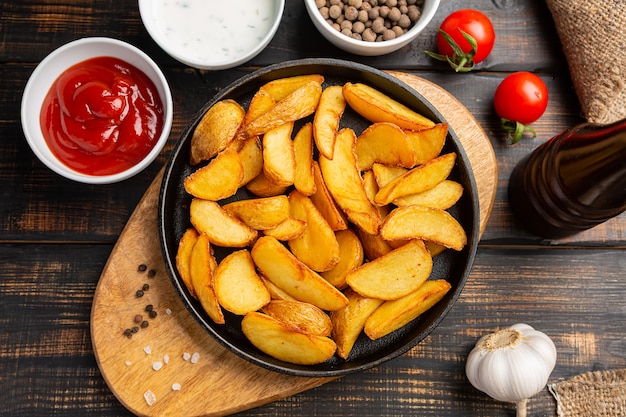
(173, 367)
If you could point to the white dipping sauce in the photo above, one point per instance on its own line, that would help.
(213, 31)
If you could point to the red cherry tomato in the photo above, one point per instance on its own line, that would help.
(466, 37)
(520, 99)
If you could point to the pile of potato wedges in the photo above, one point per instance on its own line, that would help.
(339, 237)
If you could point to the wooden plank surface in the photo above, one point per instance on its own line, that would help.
(56, 236)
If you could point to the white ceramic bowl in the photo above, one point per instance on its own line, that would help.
(193, 36)
(59, 61)
(365, 48)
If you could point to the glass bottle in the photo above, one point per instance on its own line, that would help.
(572, 182)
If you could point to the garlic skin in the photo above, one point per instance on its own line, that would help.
(512, 364)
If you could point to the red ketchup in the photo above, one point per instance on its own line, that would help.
(102, 116)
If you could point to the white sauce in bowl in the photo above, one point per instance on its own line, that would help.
(212, 31)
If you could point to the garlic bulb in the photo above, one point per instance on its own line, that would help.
(512, 364)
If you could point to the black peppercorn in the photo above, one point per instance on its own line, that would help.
(151, 273)
(152, 314)
(139, 293)
(144, 324)
(145, 287)
(149, 307)
(142, 268)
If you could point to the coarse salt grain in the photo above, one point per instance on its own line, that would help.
(195, 357)
(186, 356)
(128, 363)
(168, 311)
(176, 387)
(148, 350)
(157, 365)
(166, 358)
(149, 397)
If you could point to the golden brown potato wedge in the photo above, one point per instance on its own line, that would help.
(223, 230)
(202, 267)
(326, 121)
(281, 267)
(217, 180)
(251, 157)
(260, 213)
(325, 202)
(275, 292)
(303, 150)
(384, 174)
(392, 315)
(350, 257)
(261, 186)
(303, 317)
(417, 180)
(216, 130)
(345, 184)
(183, 257)
(237, 286)
(376, 106)
(279, 160)
(374, 246)
(418, 222)
(442, 196)
(282, 342)
(393, 275)
(384, 143)
(301, 103)
(348, 322)
(289, 229)
(317, 246)
(280, 88)
(427, 143)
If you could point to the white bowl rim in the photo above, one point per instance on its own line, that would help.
(32, 100)
(421, 23)
(145, 10)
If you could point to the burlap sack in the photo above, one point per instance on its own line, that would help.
(592, 394)
(593, 35)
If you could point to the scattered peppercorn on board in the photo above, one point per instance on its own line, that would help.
(154, 356)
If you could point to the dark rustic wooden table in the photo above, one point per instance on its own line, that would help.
(56, 235)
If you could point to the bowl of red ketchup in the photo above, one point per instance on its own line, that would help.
(97, 110)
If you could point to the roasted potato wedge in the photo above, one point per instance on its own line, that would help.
(303, 180)
(393, 275)
(317, 246)
(289, 229)
(217, 180)
(183, 257)
(442, 196)
(350, 257)
(261, 186)
(392, 315)
(427, 143)
(348, 322)
(275, 292)
(345, 184)
(279, 160)
(300, 103)
(260, 213)
(237, 286)
(279, 340)
(326, 121)
(303, 317)
(216, 130)
(418, 222)
(384, 174)
(223, 230)
(281, 267)
(282, 87)
(251, 157)
(374, 246)
(376, 106)
(417, 180)
(325, 203)
(202, 267)
(384, 143)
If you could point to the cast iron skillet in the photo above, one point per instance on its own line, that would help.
(451, 265)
